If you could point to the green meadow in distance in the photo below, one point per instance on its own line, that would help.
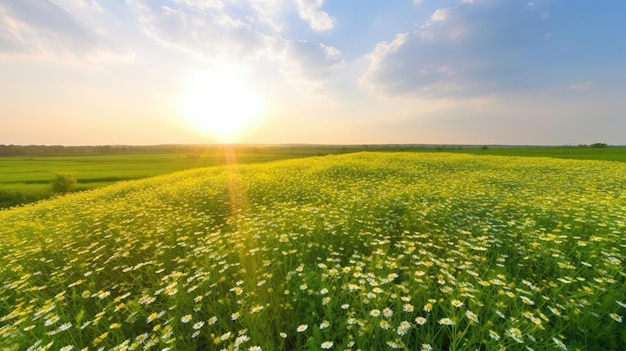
(27, 178)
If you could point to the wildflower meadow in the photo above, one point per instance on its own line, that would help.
(366, 251)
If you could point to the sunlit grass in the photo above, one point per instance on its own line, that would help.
(365, 251)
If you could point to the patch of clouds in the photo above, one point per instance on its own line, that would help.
(309, 10)
(44, 28)
(246, 32)
(211, 28)
(313, 61)
(88, 31)
(439, 15)
(581, 87)
(471, 49)
(93, 4)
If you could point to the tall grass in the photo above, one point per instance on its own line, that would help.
(363, 251)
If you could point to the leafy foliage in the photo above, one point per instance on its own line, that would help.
(63, 183)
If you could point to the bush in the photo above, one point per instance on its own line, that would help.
(63, 183)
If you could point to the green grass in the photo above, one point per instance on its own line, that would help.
(364, 251)
(26, 179)
(574, 153)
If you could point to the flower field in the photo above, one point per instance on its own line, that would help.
(366, 251)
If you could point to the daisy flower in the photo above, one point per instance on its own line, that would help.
(494, 335)
(616, 317)
(327, 344)
(559, 344)
(446, 321)
(516, 335)
(471, 316)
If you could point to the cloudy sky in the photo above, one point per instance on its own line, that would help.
(541, 72)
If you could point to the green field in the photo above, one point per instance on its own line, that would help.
(26, 178)
(574, 153)
(365, 251)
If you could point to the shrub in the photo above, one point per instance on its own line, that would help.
(63, 183)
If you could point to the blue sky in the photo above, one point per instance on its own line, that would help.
(543, 72)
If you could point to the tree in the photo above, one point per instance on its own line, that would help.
(63, 183)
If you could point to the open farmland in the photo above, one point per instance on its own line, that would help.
(367, 251)
(26, 178)
(26, 172)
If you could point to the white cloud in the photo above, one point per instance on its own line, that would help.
(471, 49)
(93, 4)
(209, 28)
(212, 30)
(439, 15)
(383, 50)
(313, 61)
(202, 5)
(14, 37)
(580, 87)
(44, 28)
(318, 20)
(249, 31)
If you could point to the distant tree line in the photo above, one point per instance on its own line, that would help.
(197, 150)
(16, 150)
(59, 150)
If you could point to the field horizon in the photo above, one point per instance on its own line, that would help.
(26, 172)
(369, 250)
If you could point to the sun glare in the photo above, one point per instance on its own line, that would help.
(222, 105)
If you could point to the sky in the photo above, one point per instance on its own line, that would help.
(142, 72)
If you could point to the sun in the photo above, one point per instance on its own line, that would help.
(222, 104)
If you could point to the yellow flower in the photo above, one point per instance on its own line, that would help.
(428, 307)
(256, 308)
(100, 338)
(151, 317)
